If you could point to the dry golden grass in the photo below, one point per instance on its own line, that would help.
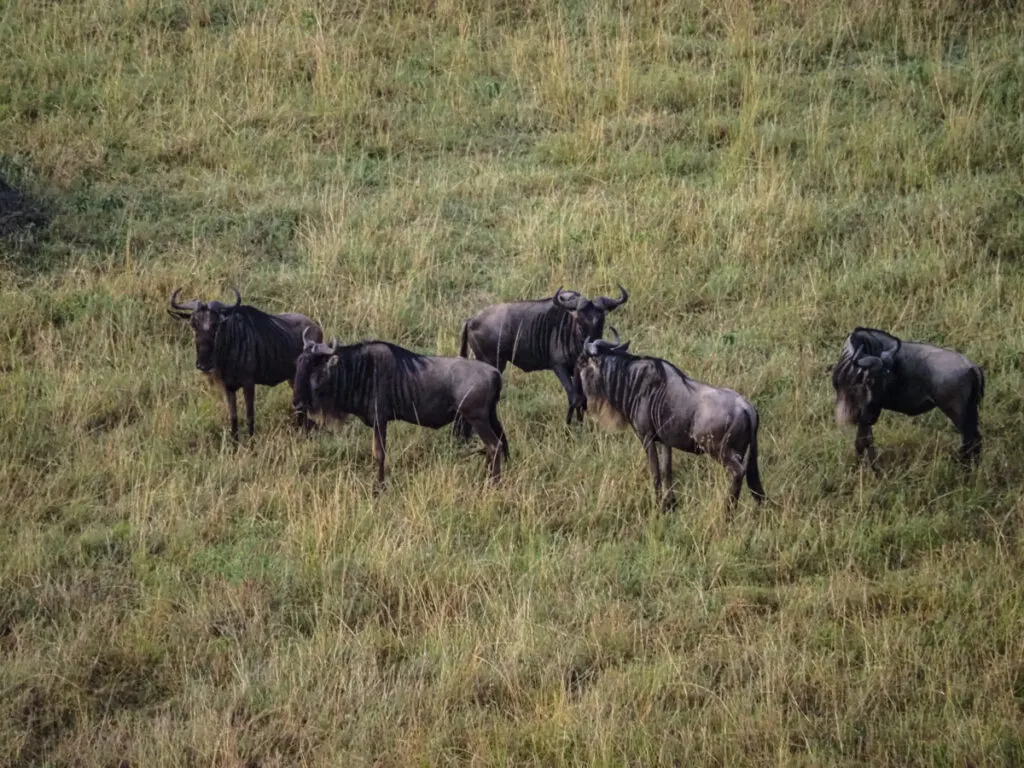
(761, 176)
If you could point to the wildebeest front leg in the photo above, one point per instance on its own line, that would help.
(669, 499)
(573, 391)
(654, 461)
(865, 444)
(380, 439)
(249, 393)
(232, 412)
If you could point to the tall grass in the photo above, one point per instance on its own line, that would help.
(762, 177)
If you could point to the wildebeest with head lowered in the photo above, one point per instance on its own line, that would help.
(381, 382)
(877, 371)
(667, 409)
(540, 335)
(239, 346)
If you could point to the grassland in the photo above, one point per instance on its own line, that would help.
(762, 177)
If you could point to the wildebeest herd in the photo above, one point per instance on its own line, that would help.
(239, 346)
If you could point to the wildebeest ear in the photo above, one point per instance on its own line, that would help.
(332, 361)
(870, 362)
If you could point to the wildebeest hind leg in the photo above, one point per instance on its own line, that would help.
(734, 463)
(492, 439)
(970, 435)
(499, 430)
(461, 429)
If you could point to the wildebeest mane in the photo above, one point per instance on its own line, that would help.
(631, 378)
(860, 343)
(252, 340)
(354, 382)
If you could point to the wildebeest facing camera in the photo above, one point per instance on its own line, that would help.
(239, 346)
(541, 335)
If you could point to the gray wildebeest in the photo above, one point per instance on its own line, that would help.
(667, 409)
(238, 346)
(380, 382)
(876, 371)
(540, 335)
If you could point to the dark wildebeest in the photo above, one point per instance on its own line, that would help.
(540, 335)
(876, 372)
(381, 382)
(238, 346)
(667, 409)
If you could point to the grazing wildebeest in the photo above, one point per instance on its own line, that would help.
(238, 346)
(540, 335)
(876, 371)
(667, 409)
(381, 382)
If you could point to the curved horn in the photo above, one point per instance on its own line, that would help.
(608, 304)
(306, 342)
(238, 299)
(615, 331)
(189, 307)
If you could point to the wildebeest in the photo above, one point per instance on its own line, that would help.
(540, 335)
(667, 409)
(877, 371)
(238, 346)
(381, 382)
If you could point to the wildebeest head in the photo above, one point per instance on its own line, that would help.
(594, 356)
(589, 314)
(205, 319)
(311, 370)
(861, 378)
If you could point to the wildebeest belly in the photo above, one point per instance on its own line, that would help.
(429, 415)
(526, 359)
(274, 377)
(913, 407)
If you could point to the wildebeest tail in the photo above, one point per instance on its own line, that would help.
(979, 385)
(464, 340)
(753, 472)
